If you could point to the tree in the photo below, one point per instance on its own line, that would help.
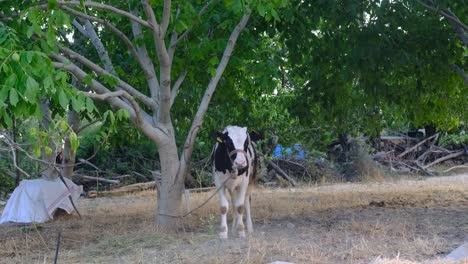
(362, 64)
(150, 42)
(444, 9)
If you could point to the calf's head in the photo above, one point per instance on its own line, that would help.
(234, 141)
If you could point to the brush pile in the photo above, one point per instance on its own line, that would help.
(406, 154)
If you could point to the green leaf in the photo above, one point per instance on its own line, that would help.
(77, 103)
(74, 141)
(11, 80)
(13, 97)
(261, 10)
(48, 82)
(32, 131)
(274, 14)
(52, 4)
(122, 114)
(32, 87)
(109, 80)
(63, 99)
(37, 150)
(7, 119)
(48, 150)
(89, 104)
(4, 93)
(29, 56)
(87, 79)
(50, 37)
(63, 125)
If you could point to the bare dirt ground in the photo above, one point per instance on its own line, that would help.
(404, 221)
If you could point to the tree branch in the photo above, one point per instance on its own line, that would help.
(173, 38)
(96, 68)
(445, 13)
(80, 129)
(147, 64)
(200, 14)
(198, 119)
(79, 27)
(154, 133)
(10, 144)
(157, 36)
(165, 18)
(452, 17)
(177, 85)
(101, 50)
(105, 7)
(460, 72)
(116, 31)
(94, 85)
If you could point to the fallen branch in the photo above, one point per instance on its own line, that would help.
(203, 189)
(417, 145)
(295, 163)
(96, 179)
(282, 173)
(90, 164)
(423, 169)
(456, 167)
(451, 156)
(133, 188)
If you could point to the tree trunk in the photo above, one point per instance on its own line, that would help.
(18, 162)
(343, 139)
(68, 153)
(169, 188)
(48, 172)
(430, 130)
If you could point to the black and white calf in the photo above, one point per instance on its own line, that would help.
(234, 169)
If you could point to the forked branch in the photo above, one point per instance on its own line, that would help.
(198, 119)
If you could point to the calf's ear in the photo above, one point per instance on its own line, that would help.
(255, 135)
(217, 136)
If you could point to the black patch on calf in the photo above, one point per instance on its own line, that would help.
(222, 161)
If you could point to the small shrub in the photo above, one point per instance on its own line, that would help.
(453, 140)
(360, 165)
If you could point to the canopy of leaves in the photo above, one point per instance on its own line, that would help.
(364, 64)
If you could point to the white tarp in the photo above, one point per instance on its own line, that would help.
(35, 201)
(460, 253)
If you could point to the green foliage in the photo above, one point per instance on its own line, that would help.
(118, 152)
(453, 140)
(28, 77)
(7, 183)
(357, 65)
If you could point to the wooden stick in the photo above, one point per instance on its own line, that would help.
(57, 248)
(417, 145)
(90, 164)
(451, 156)
(204, 189)
(456, 167)
(423, 169)
(96, 179)
(282, 173)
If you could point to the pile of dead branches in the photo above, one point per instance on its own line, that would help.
(405, 154)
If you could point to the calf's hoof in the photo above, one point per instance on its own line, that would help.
(223, 235)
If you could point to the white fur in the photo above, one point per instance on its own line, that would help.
(238, 136)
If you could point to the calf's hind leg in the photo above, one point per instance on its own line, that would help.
(248, 217)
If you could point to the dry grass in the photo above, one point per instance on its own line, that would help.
(389, 222)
